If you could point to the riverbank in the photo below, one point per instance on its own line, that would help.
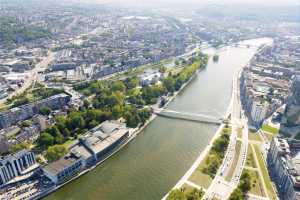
(133, 134)
(162, 153)
(202, 155)
(185, 179)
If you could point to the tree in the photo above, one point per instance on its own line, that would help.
(176, 194)
(66, 133)
(59, 138)
(117, 111)
(17, 147)
(93, 124)
(245, 182)
(132, 82)
(55, 152)
(25, 123)
(131, 116)
(236, 195)
(144, 114)
(118, 86)
(45, 140)
(76, 121)
(86, 103)
(195, 194)
(169, 84)
(162, 69)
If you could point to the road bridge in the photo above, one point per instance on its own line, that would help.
(195, 117)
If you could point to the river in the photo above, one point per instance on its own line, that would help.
(161, 154)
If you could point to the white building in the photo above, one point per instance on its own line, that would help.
(259, 111)
(64, 168)
(15, 165)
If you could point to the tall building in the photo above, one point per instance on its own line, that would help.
(292, 111)
(259, 111)
(15, 165)
(284, 164)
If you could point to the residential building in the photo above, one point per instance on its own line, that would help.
(15, 165)
(27, 111)
(284, 164)
(259, 111)
(292, 109)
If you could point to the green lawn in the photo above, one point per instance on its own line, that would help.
(187, 188)
(269, 129)
(271, 193)
(254, 136)
(256, 184)
(226, 130)
(250, 162)
(235, 160)
(200, 178)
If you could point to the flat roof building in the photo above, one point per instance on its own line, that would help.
(102, 139)
(93, 147)
(64, 168)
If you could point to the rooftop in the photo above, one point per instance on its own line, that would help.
(62, 163)
(102, 136)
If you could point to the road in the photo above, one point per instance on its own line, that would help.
(33, 75)
(221, 188)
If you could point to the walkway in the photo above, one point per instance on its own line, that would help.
(197, 117)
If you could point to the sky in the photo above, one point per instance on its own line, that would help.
(200, 2)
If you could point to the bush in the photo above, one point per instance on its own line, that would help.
(55, 152)
(45, 111)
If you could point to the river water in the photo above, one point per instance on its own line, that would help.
(160, 155)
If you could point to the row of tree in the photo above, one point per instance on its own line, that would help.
(243, 187)
(183, 194)
(216, 155)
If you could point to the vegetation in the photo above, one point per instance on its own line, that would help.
(182, 194)
(250, 161)
(12, 31)
(29, 95)
(265, 174)
(269, 129)
(254, 136)
(45, 111)
(243, 187)
(55, 152)
(200, 175)
(18, 147)
(237, 194)
(110, 100)
(216, 155)
(256, 184)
